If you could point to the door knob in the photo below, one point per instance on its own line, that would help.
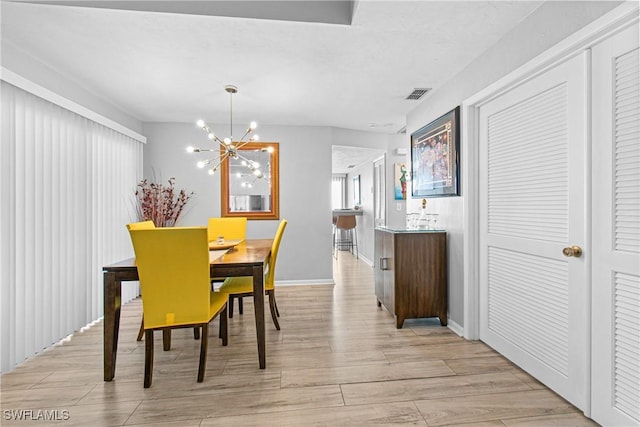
(574, 251)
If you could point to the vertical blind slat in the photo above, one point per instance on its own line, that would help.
(65, 178)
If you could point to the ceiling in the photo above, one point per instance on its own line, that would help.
(315, 63)
(345, 159)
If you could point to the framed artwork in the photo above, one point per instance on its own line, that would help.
(435, 158)
(356, 191)
(400, 178)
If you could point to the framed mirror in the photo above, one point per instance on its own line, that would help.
(249, 184)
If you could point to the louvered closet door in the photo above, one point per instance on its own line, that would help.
(532, 205)
(616, 232)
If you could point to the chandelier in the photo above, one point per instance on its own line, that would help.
(228, 148)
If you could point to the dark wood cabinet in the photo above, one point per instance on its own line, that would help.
(411, 273)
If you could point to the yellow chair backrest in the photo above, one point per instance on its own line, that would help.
(275, 247)
(142, 225)
(233, 228)
(173, 267)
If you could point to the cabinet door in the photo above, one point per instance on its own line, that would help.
(615, 392)
(421, 276)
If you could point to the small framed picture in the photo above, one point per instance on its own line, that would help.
(400, 178)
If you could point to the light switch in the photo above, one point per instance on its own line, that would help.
(399, 207)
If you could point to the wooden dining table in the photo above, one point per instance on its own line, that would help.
(248, 258)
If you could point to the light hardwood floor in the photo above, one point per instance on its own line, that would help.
(338, 361)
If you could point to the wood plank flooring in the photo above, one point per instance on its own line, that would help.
(338, 361)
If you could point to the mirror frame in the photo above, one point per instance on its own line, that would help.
(274, 213)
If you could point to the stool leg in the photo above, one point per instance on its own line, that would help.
(355, 234)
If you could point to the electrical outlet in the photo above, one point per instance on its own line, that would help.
(399, 207)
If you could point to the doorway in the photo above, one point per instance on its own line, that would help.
(353, 168)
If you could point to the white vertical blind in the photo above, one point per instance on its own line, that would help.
(339, 191)
(67, 190)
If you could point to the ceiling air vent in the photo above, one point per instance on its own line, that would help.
(417, 93)
(351, 166)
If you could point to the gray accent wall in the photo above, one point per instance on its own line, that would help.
(305, 188)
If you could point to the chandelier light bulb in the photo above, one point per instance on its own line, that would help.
(239, 175)
(212, 171)
(255, 164)
(253, 125)
(211, 136)
(227, 141)
(200, 123)
(202, 164)
(255, 138)
(191, 149)
(270, 149)
(258, 173)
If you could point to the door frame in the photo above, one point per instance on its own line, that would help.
(383, 199)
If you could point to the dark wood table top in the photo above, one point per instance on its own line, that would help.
(246, 253)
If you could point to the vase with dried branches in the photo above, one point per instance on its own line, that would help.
(160, 203)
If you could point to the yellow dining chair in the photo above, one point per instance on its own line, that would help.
(145, 225)
(173, 267)
(243, 286)
(231, 228)
(142, 225)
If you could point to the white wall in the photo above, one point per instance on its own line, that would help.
(357, 138)
(548, 25)
(396, 218)
(305, 190)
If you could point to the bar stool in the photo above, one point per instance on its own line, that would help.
(345, 235)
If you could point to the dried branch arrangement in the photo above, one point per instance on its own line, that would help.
(160, 203)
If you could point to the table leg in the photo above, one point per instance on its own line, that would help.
(258, 304)
(112, 302)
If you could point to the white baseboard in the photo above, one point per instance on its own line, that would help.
(305, 282)
(366, 260)
(455, 327)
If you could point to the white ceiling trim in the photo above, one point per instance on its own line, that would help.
(44, 93)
